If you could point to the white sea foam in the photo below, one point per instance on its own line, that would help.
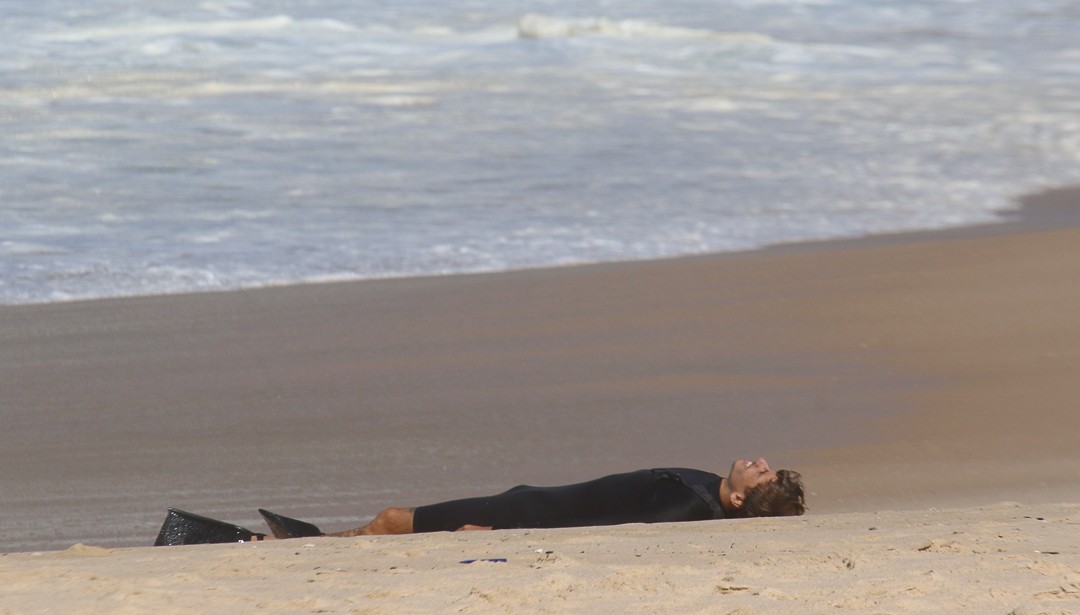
(17, 248)
(211, 28)
(535, 26)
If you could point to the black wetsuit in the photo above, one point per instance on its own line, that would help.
(644, 496)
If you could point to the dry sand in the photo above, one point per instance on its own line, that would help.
(935, 370)
(1007, 558)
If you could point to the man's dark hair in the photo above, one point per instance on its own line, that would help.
(782, 497)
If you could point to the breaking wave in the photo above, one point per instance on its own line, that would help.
(534, 26)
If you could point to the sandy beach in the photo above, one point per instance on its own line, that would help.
(1007, 558)
(925, 385)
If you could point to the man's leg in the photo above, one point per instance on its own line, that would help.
(389, 521)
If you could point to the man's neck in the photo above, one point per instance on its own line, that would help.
(725, 495)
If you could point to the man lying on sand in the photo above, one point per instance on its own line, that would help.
(751, 489)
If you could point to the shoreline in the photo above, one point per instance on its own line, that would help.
(1039, 211)
(893, 371)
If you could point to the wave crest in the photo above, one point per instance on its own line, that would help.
(227, 27)
(533, 26)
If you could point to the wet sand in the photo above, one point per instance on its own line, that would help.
(908, 372)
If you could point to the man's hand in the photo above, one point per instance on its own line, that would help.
(473, 528)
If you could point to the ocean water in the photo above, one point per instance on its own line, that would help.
(168, 146)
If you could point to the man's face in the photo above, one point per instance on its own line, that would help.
(746, 474)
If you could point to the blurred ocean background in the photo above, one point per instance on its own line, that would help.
(174, 146)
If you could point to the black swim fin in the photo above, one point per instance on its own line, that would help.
(184, 528)
(284, 527)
